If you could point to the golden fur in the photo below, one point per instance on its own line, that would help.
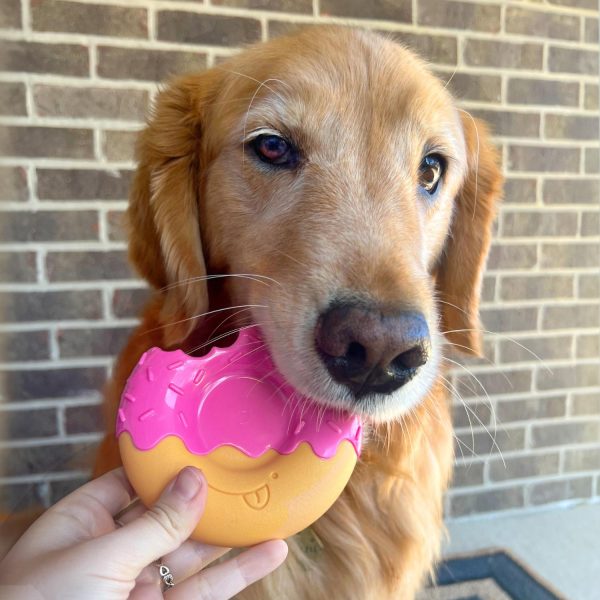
(362, 108)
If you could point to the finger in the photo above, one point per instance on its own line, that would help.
(224, 581)
(135, 510)
(112, 490)
(190, 558)
(162, 528)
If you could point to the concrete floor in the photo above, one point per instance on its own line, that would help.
(561, 546)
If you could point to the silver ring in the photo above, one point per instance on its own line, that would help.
(165, 575)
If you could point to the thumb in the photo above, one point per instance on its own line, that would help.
(165, 526)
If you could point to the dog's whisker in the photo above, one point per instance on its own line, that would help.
(225, 321)
(485, 358)
(476, 416)
(451, 77)
(200, 316)
(472, 375)
(220, 337)
(262, 345)
(508, 338)
(232, 72)
(200, 278)
(454, 392)
(462, 310)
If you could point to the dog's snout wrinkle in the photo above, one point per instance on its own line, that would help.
(370, 351)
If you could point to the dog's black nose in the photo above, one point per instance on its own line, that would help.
(370, 351)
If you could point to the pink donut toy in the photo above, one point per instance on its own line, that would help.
(274, 461)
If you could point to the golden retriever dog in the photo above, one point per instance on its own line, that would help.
(325, 187)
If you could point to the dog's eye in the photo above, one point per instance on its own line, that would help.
(430, 172)
(275, 150)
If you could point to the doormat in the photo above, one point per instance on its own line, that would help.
(491, 575)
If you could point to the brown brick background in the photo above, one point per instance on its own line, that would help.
(76, 78)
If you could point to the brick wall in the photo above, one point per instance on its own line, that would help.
(76, 81)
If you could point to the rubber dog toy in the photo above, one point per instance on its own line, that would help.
(274, 461)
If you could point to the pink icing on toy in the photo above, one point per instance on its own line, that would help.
(232, 396)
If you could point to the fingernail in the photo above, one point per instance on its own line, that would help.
(188, 483)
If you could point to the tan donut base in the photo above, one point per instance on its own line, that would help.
(249, 500)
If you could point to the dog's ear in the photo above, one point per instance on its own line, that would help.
(164, 228)
(461, 268)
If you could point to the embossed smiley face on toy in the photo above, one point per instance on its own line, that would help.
(274, 461)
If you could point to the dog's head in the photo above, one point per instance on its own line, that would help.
(336, 173)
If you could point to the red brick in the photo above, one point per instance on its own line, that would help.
(294, 6)
(459, 15)
(467, 474)
(44, 58)
(116, 225)
(92, 342)
(507, 55)
(534, 349)
(522, 190)
(10, 15)
(23, 424)
(589, 286)
(571, 191)
(491, 500)
(543, 158)
(582, 459)
(83, 184)
(52, 142)
(12, 98)
(557, 491)
(50, 306)
(90, 102)
(95, 19)
(499, 382)
(512, 256)
(399, 10)
(591, 97)
(31, 384)
(571, 316)
(542, 24)
(87, 266)
(518, 467)
(580, 375)
(531, 287)
(469, 86)
(25, 346)
(48, 225)
(573, 60)
(120, 145)
(571, 127)
(49, 458)
(14, 184)
(17, 267)
(218, 30)
(502, 320)
(531, 409)
(543, 92)
(511, 123)
(84, 419)
(539, 224)
(440, 49)
(146, 65)
(592, 160)
(570, 256)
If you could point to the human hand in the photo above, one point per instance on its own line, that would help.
(76, 550)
